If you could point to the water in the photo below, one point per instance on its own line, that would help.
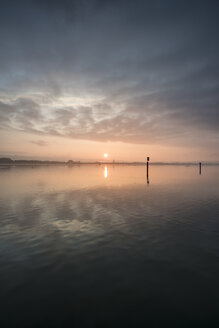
(96, 246)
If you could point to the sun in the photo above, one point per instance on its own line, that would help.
(105, 155)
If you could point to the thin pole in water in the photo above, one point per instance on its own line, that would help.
(148, 159)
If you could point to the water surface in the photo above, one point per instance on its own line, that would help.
(100, 246)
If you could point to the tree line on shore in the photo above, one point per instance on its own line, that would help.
(6, 160)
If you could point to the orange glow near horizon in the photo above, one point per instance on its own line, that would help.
(20, 146)
(105, 155)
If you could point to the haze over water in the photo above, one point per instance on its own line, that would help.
(98, 246)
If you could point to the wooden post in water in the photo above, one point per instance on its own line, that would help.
(200, 168)
(148, 159)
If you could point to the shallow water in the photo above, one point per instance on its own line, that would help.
(100, 246)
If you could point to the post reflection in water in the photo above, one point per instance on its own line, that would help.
(148, 176)
(200, 168)
(105, 172)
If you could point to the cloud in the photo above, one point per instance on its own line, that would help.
(142, 125)
(40, 143)
(21, 113)
(137, 72)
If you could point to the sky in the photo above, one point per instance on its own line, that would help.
(129, 78)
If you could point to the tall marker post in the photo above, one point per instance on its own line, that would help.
(148, 159)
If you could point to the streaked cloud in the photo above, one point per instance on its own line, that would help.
(40, 143)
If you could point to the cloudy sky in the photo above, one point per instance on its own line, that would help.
(79, 78)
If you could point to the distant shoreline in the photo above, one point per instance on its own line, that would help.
(7, 162)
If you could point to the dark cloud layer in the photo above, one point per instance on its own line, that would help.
(132, 71)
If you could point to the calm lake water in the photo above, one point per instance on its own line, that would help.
(98, 246)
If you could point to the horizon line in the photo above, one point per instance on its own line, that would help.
(8, 161)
